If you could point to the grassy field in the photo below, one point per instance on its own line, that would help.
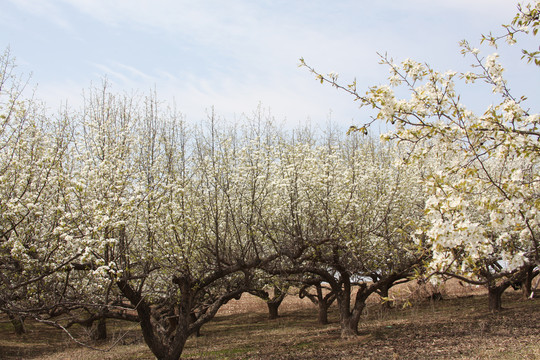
(458, 327)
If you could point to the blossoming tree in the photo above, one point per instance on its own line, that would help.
(483, 213)
(32, 153)
(344, 214)
(167, 219)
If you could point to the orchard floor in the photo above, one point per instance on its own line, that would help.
(457, 327)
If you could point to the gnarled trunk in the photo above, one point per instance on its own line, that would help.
(349, 319)
(349, 316)
(322, 301)
(276, 300)
(272, 302)
(164, 346)
(167, 326)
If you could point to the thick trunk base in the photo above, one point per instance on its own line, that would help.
(495, 299)
(323, 314)
(349, 326)
(18, 324)
(99, 330)
(273, 310)
(347, 331)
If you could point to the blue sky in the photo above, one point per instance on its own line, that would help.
(236, 54)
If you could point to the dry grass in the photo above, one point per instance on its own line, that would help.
(459, 327)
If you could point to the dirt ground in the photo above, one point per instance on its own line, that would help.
(457, 327)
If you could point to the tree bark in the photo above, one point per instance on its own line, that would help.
(343, 295)
(193, 318)
(383, 293)
(273, 309)
(323, 313)
(349, 317)
(167, 339)
(348, 327)
(322, 301)
(276, 300)
(527, 283)
(155, 340)
(18, 324)
(272, 302)
(99, 329)
(495, 298)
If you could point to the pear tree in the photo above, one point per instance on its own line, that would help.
(482, 211)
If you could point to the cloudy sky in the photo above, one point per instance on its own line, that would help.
(236, 54)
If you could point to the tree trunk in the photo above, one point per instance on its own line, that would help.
(323, 312)
(349, 317)
(526, 285)
(348, 327)
(273, 309)
(163, 349)
(343, 296)
(18, 324)
(495, 298)
(193, 318)
(99, 329)
(323, 301)
(275, 301)
(349, 320)
(385, 301)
